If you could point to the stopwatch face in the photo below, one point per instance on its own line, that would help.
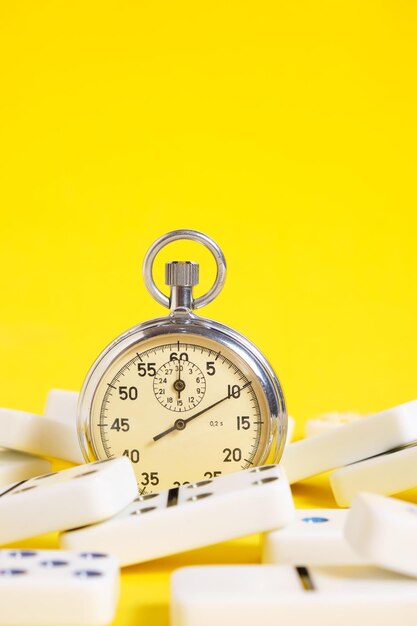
(182, 409)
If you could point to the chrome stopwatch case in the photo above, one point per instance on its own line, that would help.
(183, 397)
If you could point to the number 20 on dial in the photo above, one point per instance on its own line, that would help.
(184, 398)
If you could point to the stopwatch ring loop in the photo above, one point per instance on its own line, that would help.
(192, 235)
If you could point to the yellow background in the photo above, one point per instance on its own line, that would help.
(285, 130)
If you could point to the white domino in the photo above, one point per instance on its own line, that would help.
(191, 516)
(66, 499)
(384, 530)
(385, 474)
(328, 421)
(290, 429)
(16, 466)
(353, 442)
(37, 434)
(56, 588)
(274, 595)
(314, 537)
(61, 404)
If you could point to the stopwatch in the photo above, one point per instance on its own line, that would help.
(185, 398)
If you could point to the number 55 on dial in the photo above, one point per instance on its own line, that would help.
(184, 398)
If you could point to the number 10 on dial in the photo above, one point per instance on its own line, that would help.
(184, 398)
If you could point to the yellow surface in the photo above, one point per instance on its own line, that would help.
(287, 131)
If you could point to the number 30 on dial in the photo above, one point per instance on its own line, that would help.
(184, 398)
(181, 412)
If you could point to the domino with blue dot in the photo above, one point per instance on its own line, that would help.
(314, 537)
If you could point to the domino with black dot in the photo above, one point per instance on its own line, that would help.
(274, 595)
(67, 499)
(191, 516)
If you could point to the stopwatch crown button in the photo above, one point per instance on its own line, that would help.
(181, 273)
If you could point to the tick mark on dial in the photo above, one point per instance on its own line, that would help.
(175, 387)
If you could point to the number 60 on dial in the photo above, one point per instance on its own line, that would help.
(185, 398)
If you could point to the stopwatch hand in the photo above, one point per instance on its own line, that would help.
(180, 424)
(166, 432)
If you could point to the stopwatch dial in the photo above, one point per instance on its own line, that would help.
(179, 385)
(181, 411)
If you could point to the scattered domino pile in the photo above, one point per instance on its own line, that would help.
(377, 453)
(325, 566)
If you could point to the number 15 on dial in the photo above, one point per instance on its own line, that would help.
(184, 398)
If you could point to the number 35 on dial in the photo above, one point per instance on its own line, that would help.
(185, 398)
(181, 412)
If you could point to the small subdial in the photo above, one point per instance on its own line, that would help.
(179, 385)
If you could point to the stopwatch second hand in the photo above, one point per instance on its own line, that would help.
(180, 424)
(179, 385)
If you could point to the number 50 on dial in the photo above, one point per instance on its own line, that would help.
(184, 398)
